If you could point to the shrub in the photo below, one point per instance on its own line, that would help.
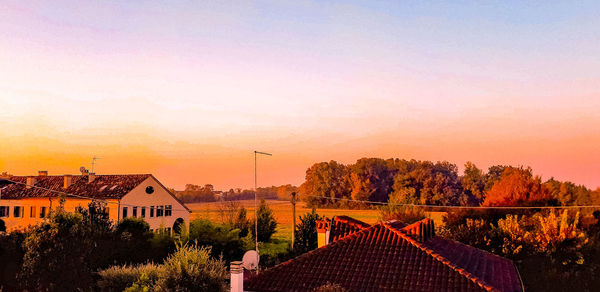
(406, 214)
(266, 222)
(305, 235)
(118, 278)
(191, 268)
(224, 240)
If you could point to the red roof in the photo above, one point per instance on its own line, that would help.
(391, 256)
(103, 186)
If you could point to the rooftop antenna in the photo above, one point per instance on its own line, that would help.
(94, 162)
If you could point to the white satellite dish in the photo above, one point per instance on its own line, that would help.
(83, 170)
(250, 260)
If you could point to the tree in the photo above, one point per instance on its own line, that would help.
(516, 187)
(325, 179)
(242, 223)
(305, 236)
(57, 254)
(473, 184)
(266, 222)
(425, 182)
(371, 179)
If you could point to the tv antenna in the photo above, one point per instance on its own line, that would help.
(94, 162)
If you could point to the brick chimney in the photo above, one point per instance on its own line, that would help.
(237, 276)
(323, 229)
(42, 173)
(30, 181)
(91, 177)
(68, 180)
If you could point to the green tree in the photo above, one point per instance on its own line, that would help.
(425, 182)
(241, 222)
(266, 222)
(305, 235)
(57, 255)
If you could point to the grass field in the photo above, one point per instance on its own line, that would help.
(282, 211)
(283, 214)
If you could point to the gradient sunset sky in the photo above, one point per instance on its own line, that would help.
(186, 90)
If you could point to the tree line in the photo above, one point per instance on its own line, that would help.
(401, 181)
(207, 193)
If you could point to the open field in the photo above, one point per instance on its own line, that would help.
(283, 213)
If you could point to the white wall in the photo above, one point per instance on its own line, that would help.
(138, 197)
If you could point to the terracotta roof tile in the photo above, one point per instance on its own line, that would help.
(103, 186)
(384, 257)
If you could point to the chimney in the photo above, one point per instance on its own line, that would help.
(91, 177)
(323, 228)
(30, 181)
(68, 180)
(422, 230)
(42, 173)
(237, 276)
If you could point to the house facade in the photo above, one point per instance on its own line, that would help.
(26, 200)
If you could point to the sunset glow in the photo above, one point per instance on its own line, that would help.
(187, 92)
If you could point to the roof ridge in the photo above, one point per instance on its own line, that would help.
(440, 258)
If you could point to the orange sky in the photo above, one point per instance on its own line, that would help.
(188, 91)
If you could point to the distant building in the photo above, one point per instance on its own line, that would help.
(29, 200)
(388, 256)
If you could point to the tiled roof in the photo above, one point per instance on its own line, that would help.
(343, 225)
(391, 256)
(103, 186)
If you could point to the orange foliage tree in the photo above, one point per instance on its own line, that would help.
(517, 186)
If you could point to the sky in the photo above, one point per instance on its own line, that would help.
(187, 90)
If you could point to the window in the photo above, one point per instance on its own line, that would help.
(124, 212)
(32, 212)
(18, 211)
(4, 211)
(143, 211)
(168, 210)
(42, 212)
(159, 211)
(134, 211)
(151, 211)
(149, 190)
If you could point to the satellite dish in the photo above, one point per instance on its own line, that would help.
(83, 170)
(250, 260)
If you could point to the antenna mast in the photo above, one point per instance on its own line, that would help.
(94, 161)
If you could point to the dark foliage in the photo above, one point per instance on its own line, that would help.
(305, 236)
(266, 222)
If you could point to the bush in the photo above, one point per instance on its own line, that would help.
(405, 214)
(189, 268)
(224, 240)
(266, 222)
(118, 278)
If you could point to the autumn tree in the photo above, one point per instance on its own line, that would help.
(371, 179)
(325, 179)
(517, 186)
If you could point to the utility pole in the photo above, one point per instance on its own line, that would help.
(294, 218)
(255, 199)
